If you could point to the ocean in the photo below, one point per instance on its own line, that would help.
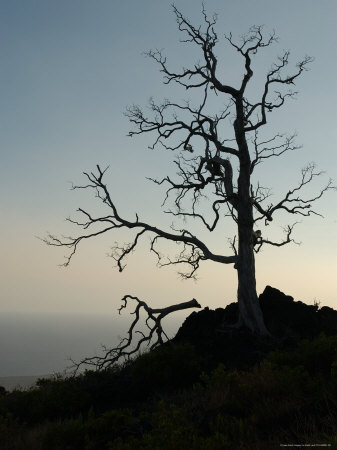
(37, 345)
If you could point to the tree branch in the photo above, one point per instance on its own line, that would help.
(276, 146)
(154, 337)
(275, 77)
(288, 231)
(250, 44)
(206, 40)
(115, 221)
(296, 205)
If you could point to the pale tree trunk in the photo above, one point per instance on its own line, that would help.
(250, 314)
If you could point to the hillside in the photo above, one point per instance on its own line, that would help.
(212, 387)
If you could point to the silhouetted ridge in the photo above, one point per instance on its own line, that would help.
(287, 320)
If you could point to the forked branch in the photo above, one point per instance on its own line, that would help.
(293, 202)
(114, 221)
(287, 240)
(152, 337)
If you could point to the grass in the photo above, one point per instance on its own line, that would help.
(170, 399)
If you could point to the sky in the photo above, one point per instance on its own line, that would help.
(69, 69)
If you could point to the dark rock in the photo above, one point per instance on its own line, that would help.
(274, 296)
(201, 325)
(287, 320)
(285, 317)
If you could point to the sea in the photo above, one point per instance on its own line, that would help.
(36, 346)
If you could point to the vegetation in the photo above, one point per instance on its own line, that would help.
(173, 398)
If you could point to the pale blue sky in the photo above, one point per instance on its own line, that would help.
(69, 68)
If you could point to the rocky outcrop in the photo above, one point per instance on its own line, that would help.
(288, 322)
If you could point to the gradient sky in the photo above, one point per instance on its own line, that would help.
(68, 70)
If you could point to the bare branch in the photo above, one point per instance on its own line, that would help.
(275, 77)
(293, 204)
(276, 146)
(203, 73)
(115, 221)
(193, 214)
(189, 255)
(250, 44)
(166, 125)
(154, 337)
(288, 232)
(232, 243)
(119, 253)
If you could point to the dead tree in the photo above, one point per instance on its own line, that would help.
(210, 167)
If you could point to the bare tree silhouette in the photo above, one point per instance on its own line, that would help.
(205, 158)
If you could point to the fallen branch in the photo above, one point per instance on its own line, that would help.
(156, 335)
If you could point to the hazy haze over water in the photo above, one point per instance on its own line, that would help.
(42, 344)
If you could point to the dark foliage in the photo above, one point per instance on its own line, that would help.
(212, 387)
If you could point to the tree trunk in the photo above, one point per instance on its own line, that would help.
(250, 314)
